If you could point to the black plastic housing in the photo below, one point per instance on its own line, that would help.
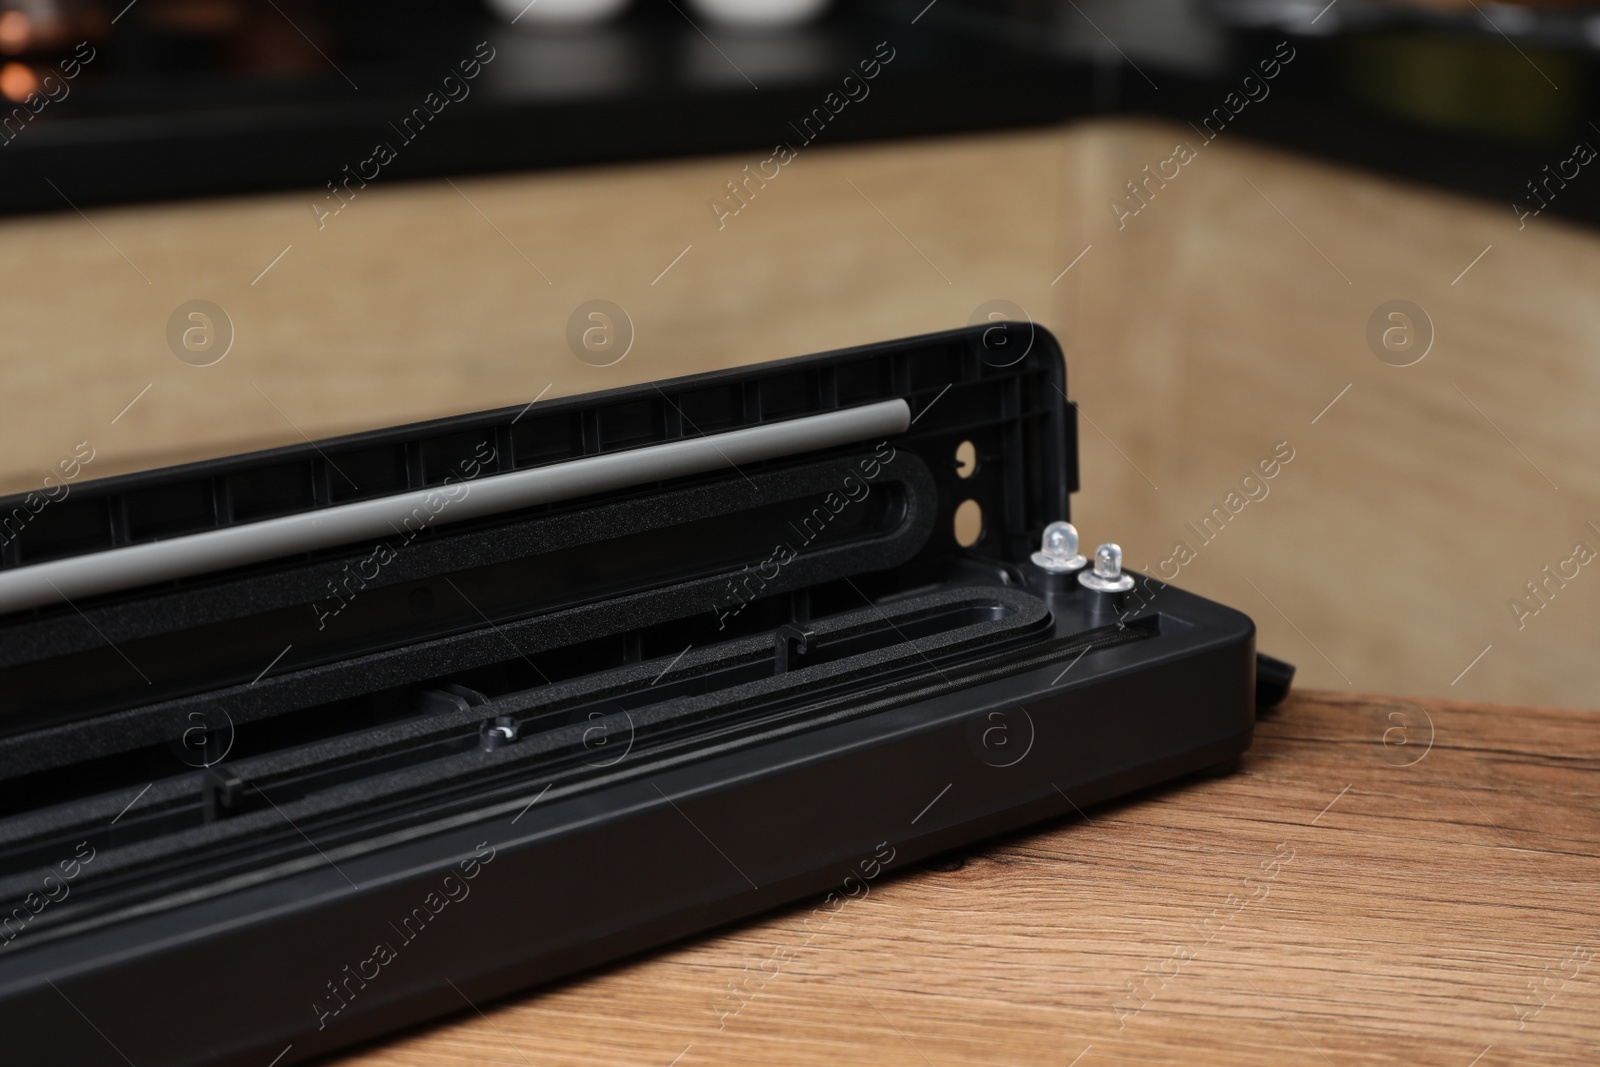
(652, 721)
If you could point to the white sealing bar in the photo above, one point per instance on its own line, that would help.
(234, 546)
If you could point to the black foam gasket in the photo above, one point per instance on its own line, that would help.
(1018, 617)
(450, 549)
(86, 738)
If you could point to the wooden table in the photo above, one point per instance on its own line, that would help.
(1382, 882)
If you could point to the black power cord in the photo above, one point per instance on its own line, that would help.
(1273, 678)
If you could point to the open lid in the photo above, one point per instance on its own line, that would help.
(265, 581)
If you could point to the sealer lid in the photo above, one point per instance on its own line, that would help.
(671, 489)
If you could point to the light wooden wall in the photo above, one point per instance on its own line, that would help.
(1199, 336)
(1388, 550)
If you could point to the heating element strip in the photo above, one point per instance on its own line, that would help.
(213, 550)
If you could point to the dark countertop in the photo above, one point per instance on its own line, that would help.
(1480, 103)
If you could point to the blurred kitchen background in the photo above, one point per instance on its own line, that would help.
(392, 211)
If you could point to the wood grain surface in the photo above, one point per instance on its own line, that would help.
(1381, 882)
